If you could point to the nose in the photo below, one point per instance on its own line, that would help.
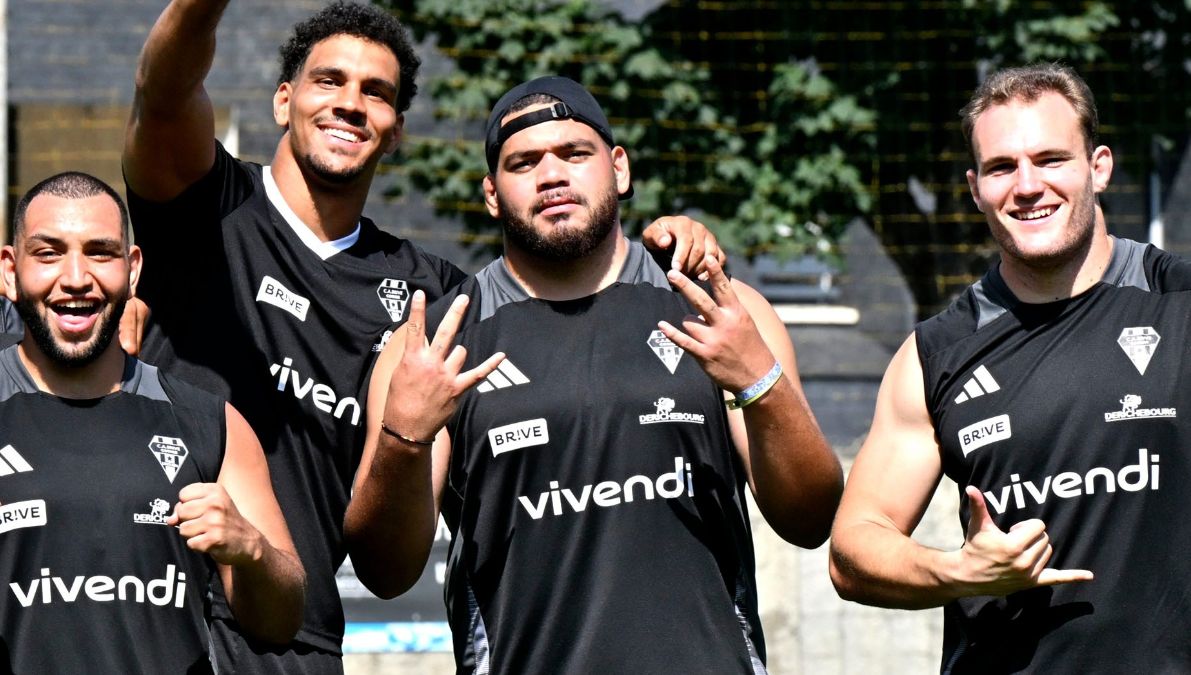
(76, 272)
(551, 172)
(349, 101)
(1029, 180)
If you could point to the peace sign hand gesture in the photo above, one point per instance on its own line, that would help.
(722, 338)
(427, 383)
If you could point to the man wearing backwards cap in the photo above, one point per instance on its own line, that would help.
(593, 478)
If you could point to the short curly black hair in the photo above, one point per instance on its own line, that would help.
(359, 20)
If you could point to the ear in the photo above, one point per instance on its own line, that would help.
(8, 272)
(135, 260)
(974, 189)
(281, 99)
(490, 196)
(398, 134)
(1102, 164)
(620, 166)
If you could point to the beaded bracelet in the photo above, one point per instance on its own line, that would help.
(403, 437)
(751, 394)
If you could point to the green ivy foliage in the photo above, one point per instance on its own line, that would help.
(783, 180)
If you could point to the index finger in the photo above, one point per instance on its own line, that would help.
(194, 491)
(682, 248)
(700, 301)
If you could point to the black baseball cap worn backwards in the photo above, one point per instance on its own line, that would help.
(575, 103)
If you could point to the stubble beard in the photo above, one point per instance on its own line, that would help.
(328, 174)
(318, 166)
(564, 242)
(1077, 237)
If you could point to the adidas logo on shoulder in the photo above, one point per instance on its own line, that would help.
(506, 375)
(981, 383)
(11, 462)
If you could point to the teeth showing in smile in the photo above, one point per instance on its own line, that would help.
(75, 307)
(342, 135)
(1035, 214)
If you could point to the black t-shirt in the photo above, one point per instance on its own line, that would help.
(1074, 412)
(596, 501)
(241, 305)
(96, 582)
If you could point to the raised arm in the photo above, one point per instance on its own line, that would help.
(792, 470)
(389, 525)
(170, 139)
(874, 560)
(237, 522)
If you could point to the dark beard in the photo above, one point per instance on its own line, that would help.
(564, 244)
(37, 326)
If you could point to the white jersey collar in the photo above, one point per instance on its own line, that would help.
(323, 249)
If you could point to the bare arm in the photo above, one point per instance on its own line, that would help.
(169, 142)
(237, 521)
(792, 470)
(390, 522)
(874, 560)
(795, 475)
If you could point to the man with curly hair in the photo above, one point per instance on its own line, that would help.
(268, 285)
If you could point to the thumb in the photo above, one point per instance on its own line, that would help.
(979, 519)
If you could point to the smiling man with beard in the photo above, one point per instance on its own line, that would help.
(273, 288)
(95, 447)
(592, 477)
(1051, 391)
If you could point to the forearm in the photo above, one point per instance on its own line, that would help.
(797, 480)
(178, 54)
(877, 565)
(267, 594)
(390, 522)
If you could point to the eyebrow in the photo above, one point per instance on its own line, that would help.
(1043, 154)
(102, 242)
(577, 144)
(333, 71)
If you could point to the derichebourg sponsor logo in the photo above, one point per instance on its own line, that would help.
(665, 413)
(47, 589)
(605, 494)
(1131, 410)
(159, 510)
(980, 434)
(322, 396)
(16, 515)
(1070, 484)
(273, 292)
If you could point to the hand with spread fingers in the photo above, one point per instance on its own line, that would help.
(427, 382)
(208, 519)
(691, 240)
(722, 338)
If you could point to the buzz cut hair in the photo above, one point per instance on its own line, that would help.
(70, 185)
